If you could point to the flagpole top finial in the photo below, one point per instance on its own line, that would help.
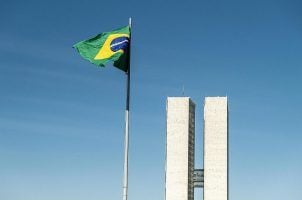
(130, 22)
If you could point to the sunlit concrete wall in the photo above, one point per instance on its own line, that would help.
(180, 148)
(216, 148)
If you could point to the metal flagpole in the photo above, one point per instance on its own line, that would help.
(125, 183)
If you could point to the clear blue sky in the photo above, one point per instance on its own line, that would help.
(62, 119)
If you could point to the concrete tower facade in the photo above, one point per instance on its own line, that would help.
(180, 149)
(216, 148)
(181, 176)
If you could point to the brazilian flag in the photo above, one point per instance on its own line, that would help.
(107, 46)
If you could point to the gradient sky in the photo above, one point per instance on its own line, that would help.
(62, 119)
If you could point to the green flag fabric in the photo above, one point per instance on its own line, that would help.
(107, 46)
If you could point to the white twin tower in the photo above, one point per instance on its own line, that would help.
(181, 175)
